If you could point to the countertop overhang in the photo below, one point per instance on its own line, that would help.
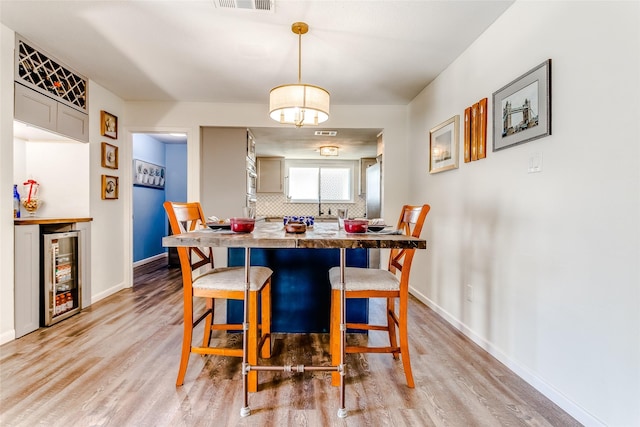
(273, 235)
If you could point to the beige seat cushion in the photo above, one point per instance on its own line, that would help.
(232, 279)
(362, 279)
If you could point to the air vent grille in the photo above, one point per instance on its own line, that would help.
(326, 133)
(262, 5)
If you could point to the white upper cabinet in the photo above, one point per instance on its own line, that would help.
(49, 95)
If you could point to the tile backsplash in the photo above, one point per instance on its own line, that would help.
(269, 204)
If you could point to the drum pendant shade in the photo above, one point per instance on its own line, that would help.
(298, 103)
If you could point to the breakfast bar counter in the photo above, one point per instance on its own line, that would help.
(273, 235)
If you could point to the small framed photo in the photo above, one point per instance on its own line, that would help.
(109, 156)
(522, 109)
(109, 187)
(108, 125)
(148, 175)
(443, 146)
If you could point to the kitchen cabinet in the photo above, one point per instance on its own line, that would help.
(227, 181)
(270, 174)
(48, 94)
(27, 279)
(365, 162)
(41, 111)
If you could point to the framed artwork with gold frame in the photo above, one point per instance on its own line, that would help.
(444, 145)
(108, 125)
(109, 156)
(481, 129)
(109, 187)
(475, 131)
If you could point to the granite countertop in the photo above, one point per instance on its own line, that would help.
(273, 235)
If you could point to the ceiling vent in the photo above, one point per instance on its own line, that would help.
(326, 133)
(262, 5)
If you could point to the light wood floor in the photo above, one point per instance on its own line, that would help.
(115, 364)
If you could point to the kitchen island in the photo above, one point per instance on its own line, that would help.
(300, 288)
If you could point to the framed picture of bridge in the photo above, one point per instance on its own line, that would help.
(522, 109)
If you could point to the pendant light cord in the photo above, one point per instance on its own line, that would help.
(299, 56)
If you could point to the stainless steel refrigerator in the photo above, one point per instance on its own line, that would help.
(374, 190)
(374, 203)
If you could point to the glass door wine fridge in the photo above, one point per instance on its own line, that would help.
(61, 276)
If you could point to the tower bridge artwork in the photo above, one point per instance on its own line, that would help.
(520, 110)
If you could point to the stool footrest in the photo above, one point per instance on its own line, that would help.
(290, 368)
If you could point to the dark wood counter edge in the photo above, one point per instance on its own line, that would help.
(31, 221)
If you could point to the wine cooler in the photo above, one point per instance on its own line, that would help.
(62, 293)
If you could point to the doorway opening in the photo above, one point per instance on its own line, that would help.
(159, 174)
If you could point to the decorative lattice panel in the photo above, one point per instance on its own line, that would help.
(40, 70)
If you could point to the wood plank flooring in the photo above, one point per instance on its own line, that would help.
(115, 364)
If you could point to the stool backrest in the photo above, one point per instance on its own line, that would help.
(410, 222)
(185, 217)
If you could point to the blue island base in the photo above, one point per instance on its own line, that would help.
(300, 288)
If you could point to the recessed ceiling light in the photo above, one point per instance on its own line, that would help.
(328, 150)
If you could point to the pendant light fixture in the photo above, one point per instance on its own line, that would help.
(299, 104)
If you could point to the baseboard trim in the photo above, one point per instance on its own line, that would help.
(150, 259)
(569, 406)
(7, 336)
(108, 292)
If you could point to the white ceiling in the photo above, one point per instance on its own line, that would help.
(375, 52)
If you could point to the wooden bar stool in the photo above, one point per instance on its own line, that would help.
(222, 283)
(378, 283)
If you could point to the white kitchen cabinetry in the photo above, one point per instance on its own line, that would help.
(48, 94)
(365, 162)
(227, 171)
(39, 110)
(27, 279)
(270, 174)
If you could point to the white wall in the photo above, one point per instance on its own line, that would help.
(6, 184)
(61, 169)
(111, 247)
(552, 257)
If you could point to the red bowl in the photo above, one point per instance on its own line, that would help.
(356, 225)
(242, 225)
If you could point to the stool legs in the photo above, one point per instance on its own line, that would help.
(265, 309)
(334, 336)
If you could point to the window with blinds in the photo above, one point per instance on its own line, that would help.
(311, 181)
